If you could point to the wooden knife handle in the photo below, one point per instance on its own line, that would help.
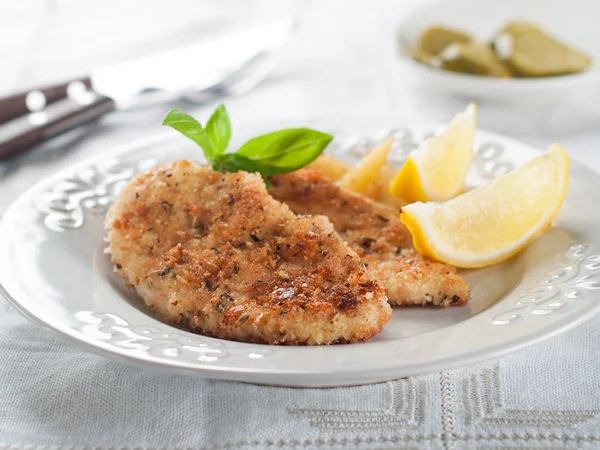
(16, 105)
(21, 133)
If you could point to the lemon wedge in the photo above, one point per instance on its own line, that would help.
(438, 168)
(494, 222)
(361, 178)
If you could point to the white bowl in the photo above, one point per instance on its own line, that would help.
(573, 21)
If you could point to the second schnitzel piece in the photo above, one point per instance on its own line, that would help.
(378, 236)
(215, 253)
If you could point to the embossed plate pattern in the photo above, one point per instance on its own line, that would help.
(53, 269)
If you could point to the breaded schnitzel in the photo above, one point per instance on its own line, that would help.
(375, 232)
(214, 252)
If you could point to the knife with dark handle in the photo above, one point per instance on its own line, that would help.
(22, 133)
(22, 103)
(32, 117)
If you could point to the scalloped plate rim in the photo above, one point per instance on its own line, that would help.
(323, 377)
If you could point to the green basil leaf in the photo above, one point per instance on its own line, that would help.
(271, 154)
(192, 129)
(289, 140)
(218, 129)
(234, 162)
(285, 150)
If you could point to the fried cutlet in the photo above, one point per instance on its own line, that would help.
(375, 232)
(216, 254)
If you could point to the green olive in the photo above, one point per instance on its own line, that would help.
(475, 58)
(530, 52)
(434, 40)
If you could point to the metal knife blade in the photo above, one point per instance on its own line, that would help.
(190, 67)
(196, 67)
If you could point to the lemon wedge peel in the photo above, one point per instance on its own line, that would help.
(437, 170)
(484, 227)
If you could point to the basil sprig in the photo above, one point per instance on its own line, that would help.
(274, 153)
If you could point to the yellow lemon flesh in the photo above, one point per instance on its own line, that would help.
(361, 178)
(494, 222)
(438, 168)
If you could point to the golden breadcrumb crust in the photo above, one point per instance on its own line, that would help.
(215, 253)
(376, 233)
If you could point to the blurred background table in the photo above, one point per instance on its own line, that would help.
(340, 63)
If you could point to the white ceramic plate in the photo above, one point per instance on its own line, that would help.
(574, 21)
(53, 269)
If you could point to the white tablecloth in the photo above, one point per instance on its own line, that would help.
(340, 63)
